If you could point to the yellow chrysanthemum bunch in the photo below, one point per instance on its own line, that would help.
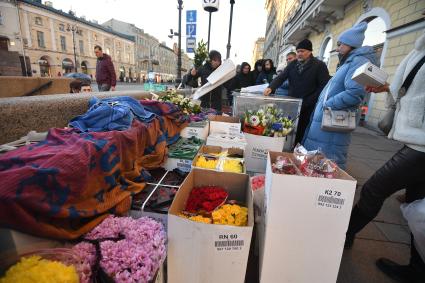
(36, 269)
(197, 218)
(232, 165)
(231, 214)
(208, 163)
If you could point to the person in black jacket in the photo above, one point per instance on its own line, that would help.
(213, 98)
(307, 77)
(244, 77)
(258, 67)
(267, 73)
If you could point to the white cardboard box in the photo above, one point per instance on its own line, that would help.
(197, 132)
(227, 141)
(257, 149)
(208, 253)
(369, 74)
(224, 125)
(306, 219)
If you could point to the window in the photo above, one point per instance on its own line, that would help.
(63, 43)
(326, 50)
(1, 18)
(38, 21)
(118, 55)
(61, 27)
(40, 39)
(81, 47)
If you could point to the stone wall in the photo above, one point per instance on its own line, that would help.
(15, 86)
(19, 115)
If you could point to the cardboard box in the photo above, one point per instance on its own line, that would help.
(198, 130)
(369, 74)
(257, 149)
(305, 221)
(227, 141)
(205, 149)
(209, 253)
(224, 125)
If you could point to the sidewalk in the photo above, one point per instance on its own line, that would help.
(386, 236)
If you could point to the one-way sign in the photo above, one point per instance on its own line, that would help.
(190, 44)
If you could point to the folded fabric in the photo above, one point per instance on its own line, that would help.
(64, 186)
(115, 113)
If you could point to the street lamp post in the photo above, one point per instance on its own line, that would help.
(73, 28)
(232, 2)
(179, 52)
(210, 6)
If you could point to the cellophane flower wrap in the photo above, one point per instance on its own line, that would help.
(135, 257)
(268, 121)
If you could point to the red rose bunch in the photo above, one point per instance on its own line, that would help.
(257, 182)
(205, 198)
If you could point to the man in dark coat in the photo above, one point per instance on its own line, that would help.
(213, 98)
(307, 77)
(105, 72)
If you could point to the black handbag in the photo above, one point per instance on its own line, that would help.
(386, 124)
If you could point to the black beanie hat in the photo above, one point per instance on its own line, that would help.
(305, 44)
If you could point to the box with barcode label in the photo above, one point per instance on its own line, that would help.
(305, 221)
(224, 125)
(209, 253)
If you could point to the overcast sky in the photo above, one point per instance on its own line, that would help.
(157, 17)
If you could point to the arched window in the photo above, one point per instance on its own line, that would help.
(325, 50)
(375, 35)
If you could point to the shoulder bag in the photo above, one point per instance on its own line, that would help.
(337, 120)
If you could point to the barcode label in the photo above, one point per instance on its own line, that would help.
(230, 243)
(331, 199)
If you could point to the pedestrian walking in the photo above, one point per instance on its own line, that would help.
(213, 99)
(405, 170)
(341, 93)
(307, 76)
(267, 74)
(105, 72)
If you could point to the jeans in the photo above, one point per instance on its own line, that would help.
(104, 87)
(405, 170)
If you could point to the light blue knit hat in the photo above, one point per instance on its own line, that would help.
(354, 36)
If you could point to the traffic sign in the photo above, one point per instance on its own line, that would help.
(190, 44)
(191, 16)
(190, 30)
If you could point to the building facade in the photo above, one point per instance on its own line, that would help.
(393, 27)
(258, 51)
(151, 55)
(56, 42)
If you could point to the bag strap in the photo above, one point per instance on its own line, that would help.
(409, 79)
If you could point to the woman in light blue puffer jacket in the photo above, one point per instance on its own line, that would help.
(343, 94)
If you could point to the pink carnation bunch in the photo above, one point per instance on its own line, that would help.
(135, 258)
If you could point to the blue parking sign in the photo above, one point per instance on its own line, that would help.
(191, 16)
(190, 30)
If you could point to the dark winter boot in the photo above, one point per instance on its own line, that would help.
(357, 222)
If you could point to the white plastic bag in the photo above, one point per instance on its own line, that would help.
(415, 215)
